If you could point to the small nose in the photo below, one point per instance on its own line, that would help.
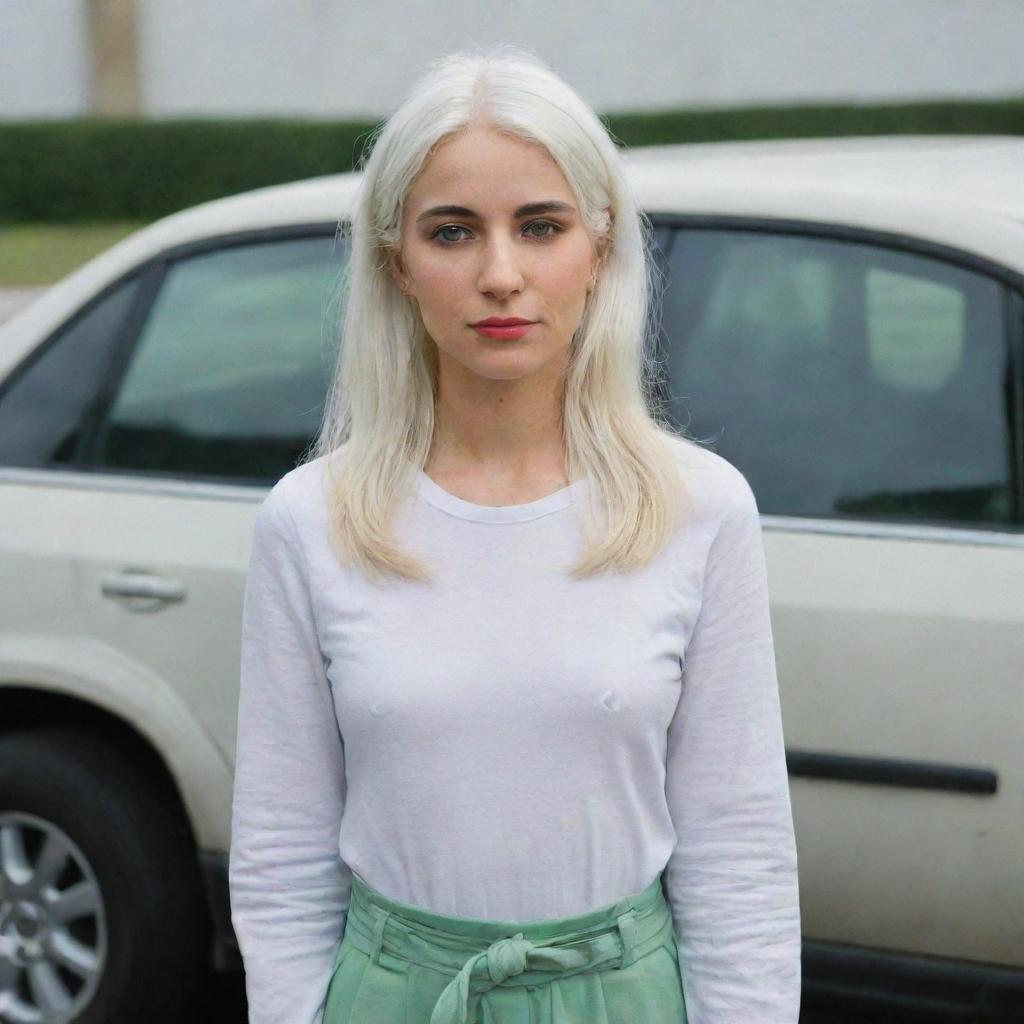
(500, 273)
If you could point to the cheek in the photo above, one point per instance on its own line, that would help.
(572, 267)
(440, 286)
(566, 281)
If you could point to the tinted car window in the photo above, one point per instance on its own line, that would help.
(230, 372)
(844, 379)
(45, 404)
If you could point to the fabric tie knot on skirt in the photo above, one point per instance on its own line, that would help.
(507, 957)
(504, 958)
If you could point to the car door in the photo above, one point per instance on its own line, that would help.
(172, 424)
(871, 395)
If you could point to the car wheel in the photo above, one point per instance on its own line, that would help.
(102, 914)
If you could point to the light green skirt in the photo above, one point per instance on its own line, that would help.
(401, 964)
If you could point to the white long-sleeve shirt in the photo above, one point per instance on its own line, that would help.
(511, 744)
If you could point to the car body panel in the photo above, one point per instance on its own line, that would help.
(905, 646)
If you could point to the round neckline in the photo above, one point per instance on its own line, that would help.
(434, 494)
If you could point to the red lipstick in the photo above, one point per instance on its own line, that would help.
(504, 328)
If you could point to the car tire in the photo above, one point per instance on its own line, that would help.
(143, 941)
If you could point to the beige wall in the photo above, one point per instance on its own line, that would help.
(344, 58)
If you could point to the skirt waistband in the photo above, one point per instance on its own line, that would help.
(483, 954)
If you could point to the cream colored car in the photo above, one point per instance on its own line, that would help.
(842, 319)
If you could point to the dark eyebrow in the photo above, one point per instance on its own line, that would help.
(551, 206)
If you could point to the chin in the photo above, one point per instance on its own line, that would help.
(504, 372)
(511, 363)
(521, 363)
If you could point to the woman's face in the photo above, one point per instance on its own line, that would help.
(492, 229)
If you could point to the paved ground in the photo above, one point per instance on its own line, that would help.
(12, 299)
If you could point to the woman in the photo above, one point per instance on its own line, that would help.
(509, 739)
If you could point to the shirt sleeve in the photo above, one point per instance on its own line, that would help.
(732, 876)
(289, 888)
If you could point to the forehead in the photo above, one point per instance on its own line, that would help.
(489, 165)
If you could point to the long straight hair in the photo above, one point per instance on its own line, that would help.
(379, 418)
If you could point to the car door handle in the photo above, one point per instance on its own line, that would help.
(141, 584)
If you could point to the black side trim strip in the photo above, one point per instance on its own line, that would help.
(846, 978)
(886, 771)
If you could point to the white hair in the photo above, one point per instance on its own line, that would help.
(379, 419)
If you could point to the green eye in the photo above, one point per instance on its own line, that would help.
(446, 227)
(543, 224)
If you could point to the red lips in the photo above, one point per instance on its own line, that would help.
(497, 321)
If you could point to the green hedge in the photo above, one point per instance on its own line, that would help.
(140, 170)
(88, 170)
(1004, 117)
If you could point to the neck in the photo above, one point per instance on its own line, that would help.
(509, 430)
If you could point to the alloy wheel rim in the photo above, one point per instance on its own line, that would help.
(53, 927)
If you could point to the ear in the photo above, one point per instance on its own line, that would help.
(397, 269)
(600, 255)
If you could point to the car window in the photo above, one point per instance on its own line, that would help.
(844, 379)
(231, 369)
(45, 403)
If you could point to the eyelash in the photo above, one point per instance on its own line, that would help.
(555, 229)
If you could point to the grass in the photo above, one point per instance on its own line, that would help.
(40, 254)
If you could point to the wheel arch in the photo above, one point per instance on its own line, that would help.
(27, 707)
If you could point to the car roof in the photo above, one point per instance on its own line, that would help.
(961, 192)
(983, 171)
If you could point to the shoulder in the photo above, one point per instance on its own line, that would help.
(717, 488)
(296, 497)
